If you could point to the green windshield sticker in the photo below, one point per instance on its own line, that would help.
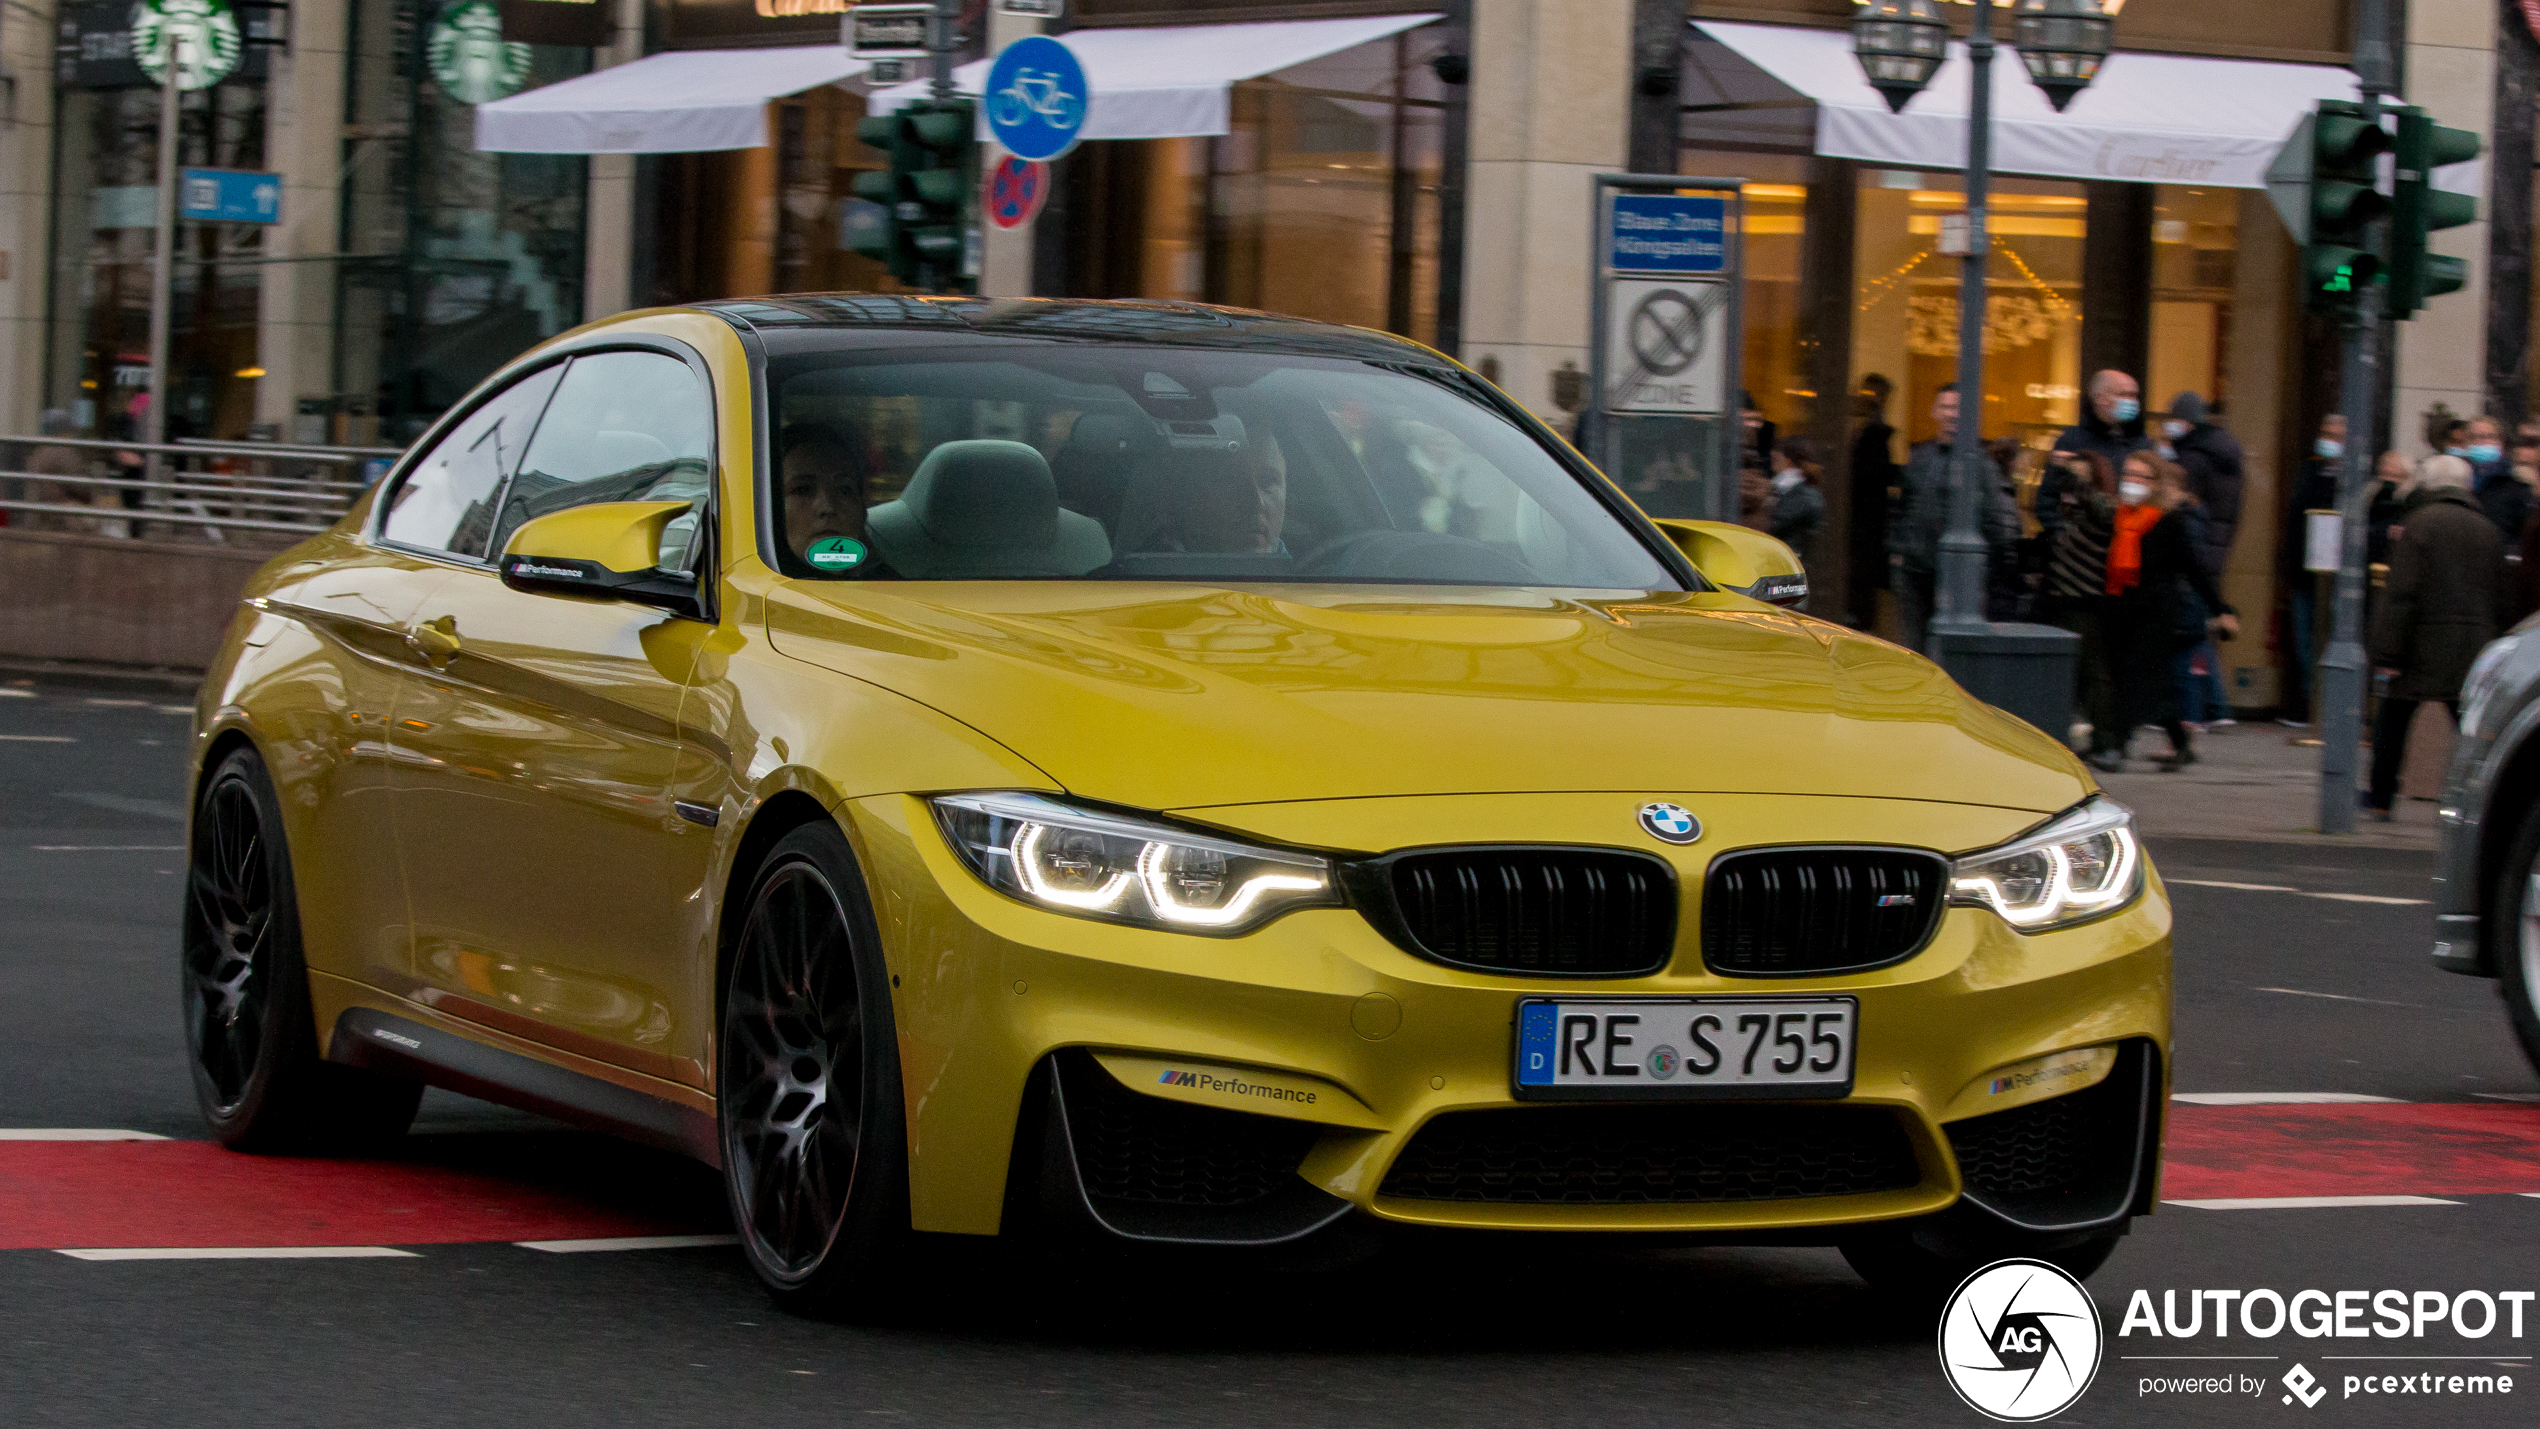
(836, 553)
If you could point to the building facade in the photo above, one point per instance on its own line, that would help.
(1423, 168)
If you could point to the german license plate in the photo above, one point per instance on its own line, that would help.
(1724, 1047)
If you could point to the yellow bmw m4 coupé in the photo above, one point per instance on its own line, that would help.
(1149, 772)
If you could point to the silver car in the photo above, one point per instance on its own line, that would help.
(2487, 863)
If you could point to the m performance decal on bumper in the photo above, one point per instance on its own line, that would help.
(1251, 1089)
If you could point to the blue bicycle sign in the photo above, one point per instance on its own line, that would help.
(1036, 97)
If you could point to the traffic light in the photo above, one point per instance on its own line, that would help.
(2418, 209)
(925, 193)
(2339, 261)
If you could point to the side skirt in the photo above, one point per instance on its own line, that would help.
(383, 1042)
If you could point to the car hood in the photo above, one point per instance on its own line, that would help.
(1183, 697)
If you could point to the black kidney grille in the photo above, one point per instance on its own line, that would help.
(1554, 911)
(1653, 1155)
(1789, 911)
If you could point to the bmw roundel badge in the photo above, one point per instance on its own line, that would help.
(1670, 823)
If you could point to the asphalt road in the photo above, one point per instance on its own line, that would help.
(2281, 990)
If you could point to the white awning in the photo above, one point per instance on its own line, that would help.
(680, 102)
(2146, 119)
(1170, 81)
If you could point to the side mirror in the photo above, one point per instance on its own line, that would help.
(609, 549)
(1741, 559)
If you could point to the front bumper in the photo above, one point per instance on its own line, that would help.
(1364, 1044)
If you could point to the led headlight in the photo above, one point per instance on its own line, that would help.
(2080, 865)
(1125, 870)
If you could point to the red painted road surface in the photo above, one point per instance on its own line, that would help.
(2357, 1149)
(56, 1195)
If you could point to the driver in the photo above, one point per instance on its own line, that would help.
(1234, 501)
(823, 480)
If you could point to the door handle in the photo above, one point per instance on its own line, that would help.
(435, 640)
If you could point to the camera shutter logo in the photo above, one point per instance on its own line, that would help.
(2020, 1341)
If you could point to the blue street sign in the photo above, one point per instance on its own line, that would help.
(1036, 98)
(229, 196)
(1668, 233)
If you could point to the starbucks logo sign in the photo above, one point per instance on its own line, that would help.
(201, 35)
(470, 59)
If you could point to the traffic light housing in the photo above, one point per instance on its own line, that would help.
(925, 194)
(2340, 260)
(2418, 209)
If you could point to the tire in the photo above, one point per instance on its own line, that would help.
(1899, 1264)
(2514, 945)
(819, 1194)
(250, 1033)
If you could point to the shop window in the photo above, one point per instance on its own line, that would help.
(2195, 261)
(1906, 313)
(1321, 201)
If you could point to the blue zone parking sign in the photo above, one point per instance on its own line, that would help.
(1668, 233)
(1036, 98)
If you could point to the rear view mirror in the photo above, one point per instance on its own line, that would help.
(609, 549)
(1741, 559)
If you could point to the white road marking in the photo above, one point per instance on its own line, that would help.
(2509, 1096)
(115, 704)
(2298, 892)
(2305, 1203)
(242, 1252)
(2334, 996)
(628, 1242)
(39, 738)
(174, 709)
(6, 693)
(107, 848)
(2273, 1098)
(74, 1133)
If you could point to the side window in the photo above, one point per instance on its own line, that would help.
(446, 503)
(624, 426)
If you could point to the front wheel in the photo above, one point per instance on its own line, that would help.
(250, 1035)
(808, 1092)
(2514, 918)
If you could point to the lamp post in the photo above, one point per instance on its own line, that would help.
(1900, 44)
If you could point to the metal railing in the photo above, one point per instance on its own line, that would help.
(186, 490)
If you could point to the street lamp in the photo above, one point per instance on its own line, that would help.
(2063, 43)
(1900, 44)
(2069, 39)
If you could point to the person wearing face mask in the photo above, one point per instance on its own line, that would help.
(2314, 490)
(1796, 511)
(2111, 424)
(2164, 601)
(2480, 441)
(2214, 462)
(2437, 610)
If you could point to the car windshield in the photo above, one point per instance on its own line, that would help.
(1083, 462)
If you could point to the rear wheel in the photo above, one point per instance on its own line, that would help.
(2515, 945)
(249, 1031)
(808, 1093)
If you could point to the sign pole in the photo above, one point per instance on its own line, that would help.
(2342, 668)
(1959, 585)
(154, 423)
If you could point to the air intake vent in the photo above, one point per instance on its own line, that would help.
(1791, 912)
(1546, 911)
(1650, 1155)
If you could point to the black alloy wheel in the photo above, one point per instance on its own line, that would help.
(814, 1153)
(2513, 934)
(249, 1029)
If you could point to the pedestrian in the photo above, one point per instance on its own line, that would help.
(2437, 610)
(2012, 568)
(1759, 430)
(2523, 577)
(2505, 499)
(2111, 425)
(2075, 594)
(1797, 511)
(1874, 473)
(1754, 494)
(2385, 506)
(2315, 490)
(2215, 466)
(1921, 514)
(2165, 601)
(54, 459)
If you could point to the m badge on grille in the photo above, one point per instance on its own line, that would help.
(1670, 823)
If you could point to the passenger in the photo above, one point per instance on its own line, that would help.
(824, 478)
